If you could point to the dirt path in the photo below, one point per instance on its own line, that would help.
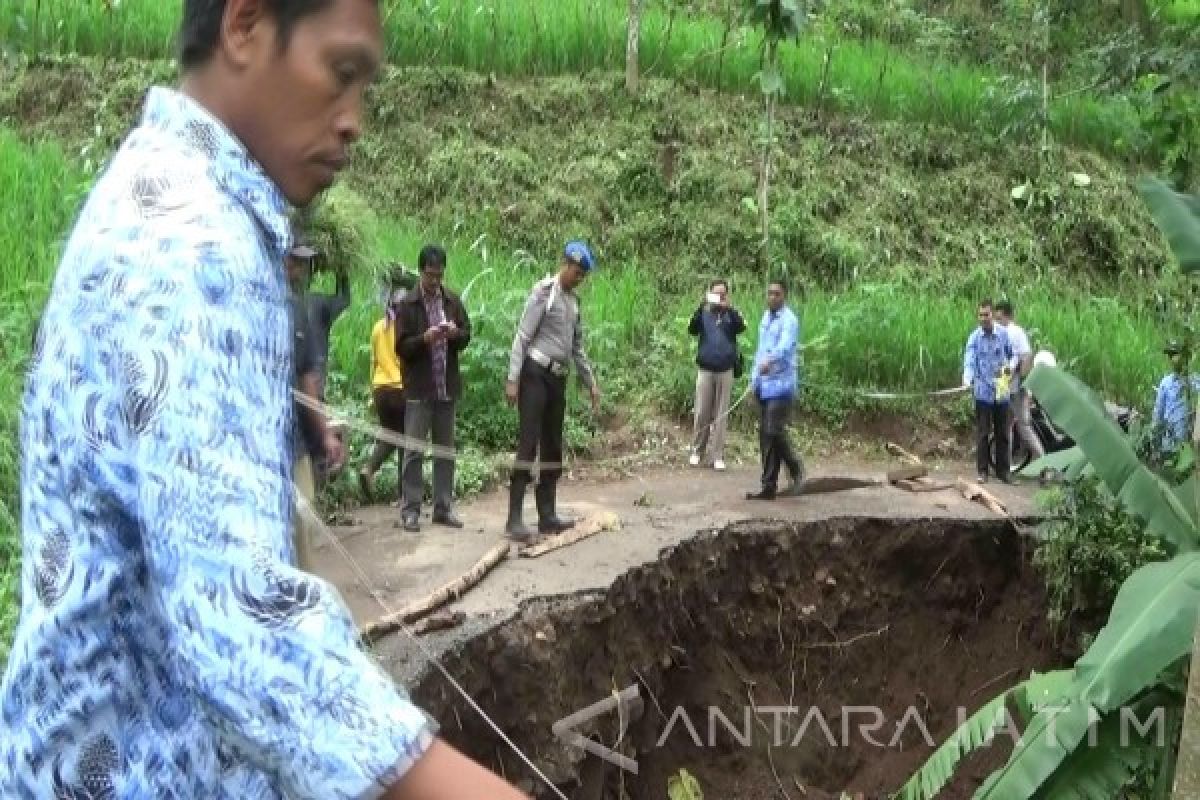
(657, 509)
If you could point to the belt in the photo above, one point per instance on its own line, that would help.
(540, 358)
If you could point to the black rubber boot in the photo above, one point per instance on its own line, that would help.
(515, 528)
(548, 519)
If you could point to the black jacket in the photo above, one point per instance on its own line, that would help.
(411, 324)
(718, 332)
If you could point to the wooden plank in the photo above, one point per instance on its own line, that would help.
(448, 592)
(837, 483)
(907, 473)
(982, 496)
(606, 521)
(902, 454)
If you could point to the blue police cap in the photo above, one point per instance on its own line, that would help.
(579, 253)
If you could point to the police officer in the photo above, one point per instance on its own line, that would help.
(549, 337)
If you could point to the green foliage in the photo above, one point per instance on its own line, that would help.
(1149, 631)
(536, 37)
(1179, 217)
(684, 786)
(1088, 550)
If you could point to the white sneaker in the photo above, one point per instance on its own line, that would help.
(694, 460)
(719, 465)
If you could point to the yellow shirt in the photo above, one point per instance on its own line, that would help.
(386, 367)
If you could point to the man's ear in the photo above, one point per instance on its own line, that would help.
(246, 29)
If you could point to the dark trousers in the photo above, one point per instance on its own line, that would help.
(541, 407)
(773, 442)
(421, 417)
(389, 406)
(991, 419)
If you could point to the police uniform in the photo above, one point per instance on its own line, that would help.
(549, 339)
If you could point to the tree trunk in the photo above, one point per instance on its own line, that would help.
(764, 178)
(1187, 766)
(633, 34)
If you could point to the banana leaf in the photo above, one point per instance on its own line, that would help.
(977, 731)
(1178, 216)
(1150, 629)
(1108, 451)
(1059, 462)
(1100, 768)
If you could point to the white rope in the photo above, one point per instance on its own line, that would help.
(313, 519)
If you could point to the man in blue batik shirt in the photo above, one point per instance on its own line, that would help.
(1174, 402)
(988, 365)
(167, 644)
(774, 384)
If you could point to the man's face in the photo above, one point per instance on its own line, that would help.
(722, 292)
(572, 275)
(985, 318)
(297, 271)
(1003, 319)
(431, 277)
(307, 100)
(775, 297)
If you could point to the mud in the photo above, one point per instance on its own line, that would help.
(918, 618)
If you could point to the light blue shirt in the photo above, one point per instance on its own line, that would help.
(985, 355)
(167, 647)
(778, 338)
(1172, 411)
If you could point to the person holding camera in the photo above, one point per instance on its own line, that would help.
(717, 325)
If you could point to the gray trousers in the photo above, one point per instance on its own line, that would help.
(712, 410)
(422, 417)
(1023, 421)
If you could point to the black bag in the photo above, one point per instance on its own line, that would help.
(739, 365)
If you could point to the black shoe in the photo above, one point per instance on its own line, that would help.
(447, 518)
(412, 522)
(764, 494)
(548, 519)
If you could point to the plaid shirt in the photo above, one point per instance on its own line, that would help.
(436, 314)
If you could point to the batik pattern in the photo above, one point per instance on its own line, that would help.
(167, 648)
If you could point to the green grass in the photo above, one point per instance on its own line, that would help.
(1180, 10)
(39, 189)
(536, 37)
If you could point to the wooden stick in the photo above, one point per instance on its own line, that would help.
(901, 453)
(923, 485)
(607, 521)
(439, 622)
(981, 496)
(450, 591)
(907, 473)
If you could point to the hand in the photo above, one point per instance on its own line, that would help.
(510, 392)
(335, 451)
(765, 368)
(595, 399)
(450, 330)
(432, 335)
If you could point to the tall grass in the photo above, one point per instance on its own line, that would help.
(544, 37)
(39, 189)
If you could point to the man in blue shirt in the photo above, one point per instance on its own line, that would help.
(1175, 400)
(988, 364)
(167, 645)
(774, 384)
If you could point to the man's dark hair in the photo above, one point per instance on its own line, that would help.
(200, 30)
(719, 282)
(985, 303)
(778, 282)
(431, 256)
(1004, 307)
